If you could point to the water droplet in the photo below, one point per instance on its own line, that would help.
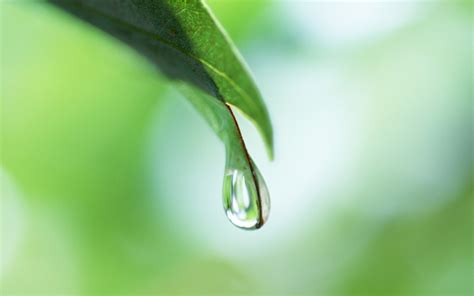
(245, 196)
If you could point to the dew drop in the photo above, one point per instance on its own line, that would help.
(246, 205)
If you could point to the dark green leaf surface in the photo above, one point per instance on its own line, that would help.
(184, 40)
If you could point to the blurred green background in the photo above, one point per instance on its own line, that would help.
(110, 181)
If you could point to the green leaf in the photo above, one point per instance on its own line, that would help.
(186, 42)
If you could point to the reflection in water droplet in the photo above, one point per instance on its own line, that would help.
(245, 205)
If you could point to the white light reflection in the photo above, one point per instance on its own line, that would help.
(348, 23)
